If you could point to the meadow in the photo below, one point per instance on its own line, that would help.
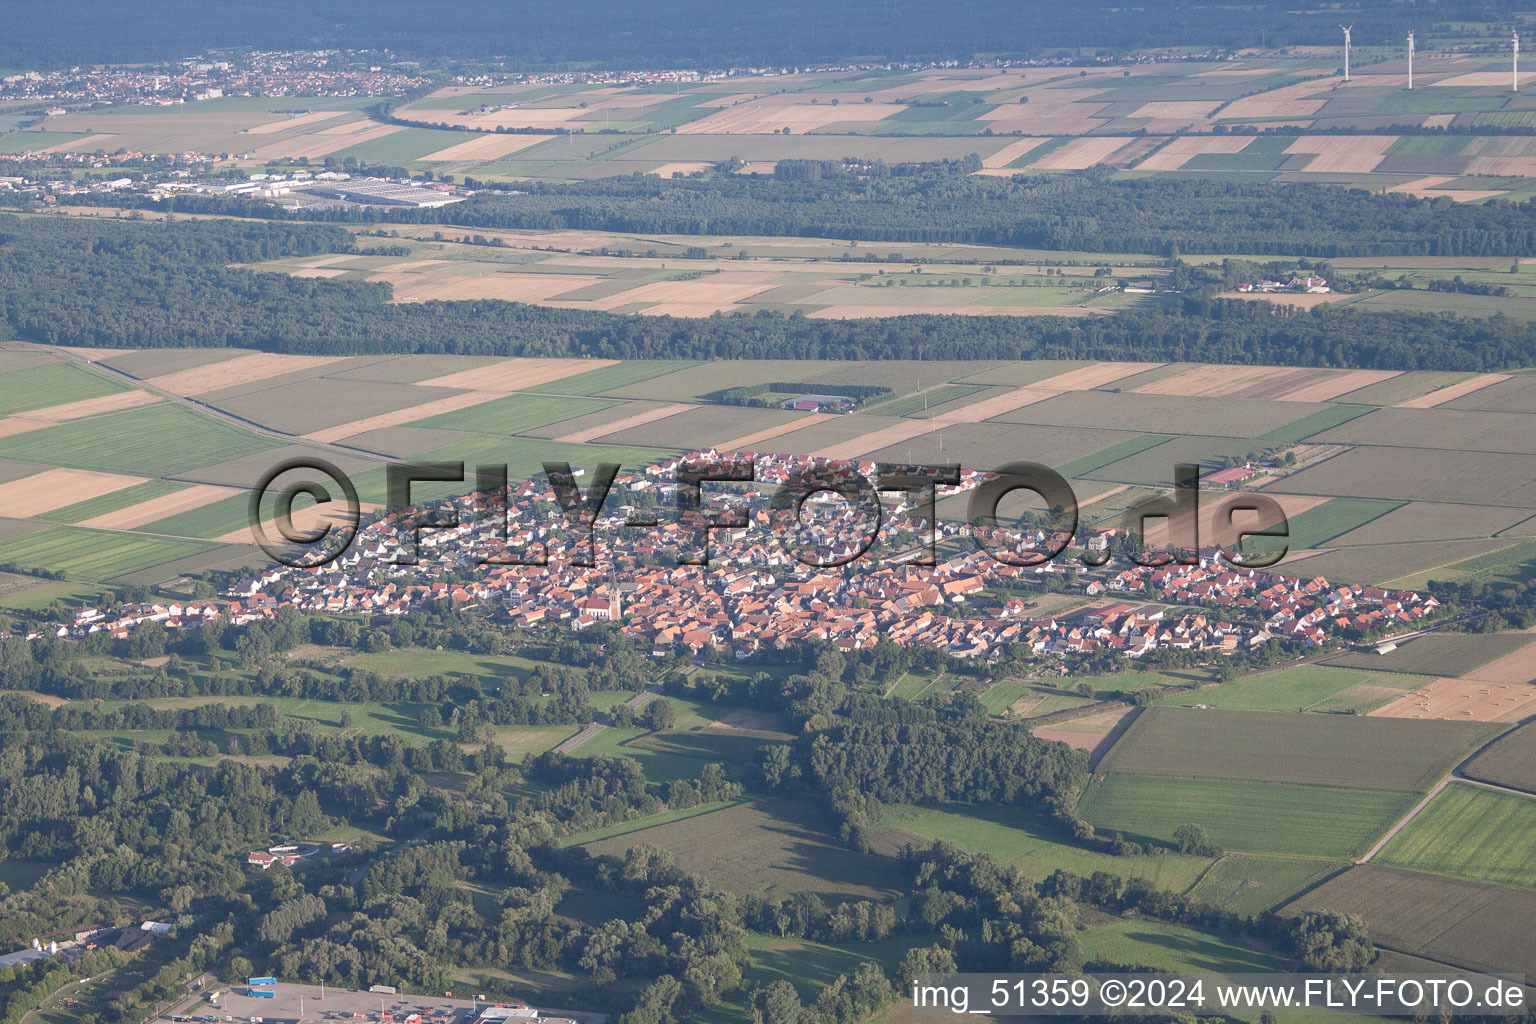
(1171, 947)
(1025, 838)
(1473, 832)
(1246, 883)
(765, 845)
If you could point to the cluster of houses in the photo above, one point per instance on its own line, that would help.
(1311, 284)
(755, 594)
(260, 73)
(289, 854)
(121, 621)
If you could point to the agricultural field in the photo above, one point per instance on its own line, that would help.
(1440, 654)
(1271, 747)
(1318, 821)
(1302, 688)
(1470, 831)
(1137, 119)
(1509, 762)
(1468, 924)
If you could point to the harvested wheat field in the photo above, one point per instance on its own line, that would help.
(1463, 700)
(1087, 378)
(348, 128)
(234, 372)
(1011, 152)
(987, 408)
(317, 145)
(771, 113)
(56, 488)
(651, 415)
(1092, 733)
(1216, 529)
(88, 144)
(1452, 392)
(1080, 154)
(1295, 300)
(516, 374)
(1345, 154)
(415, 412)
(411, 286)
(746, 441)
(1519, 667)
(874, 440)
(486, 147)
(707, 292)
(297, 121)
(156, 509)
(1336, 384)
(307, 518)
(1211, 380)
(1485, 80)
(1289, 101)
(37, 419)
(684, 167)
(321, 272)
(1184, 109)
(852, 311)
(1180, 151)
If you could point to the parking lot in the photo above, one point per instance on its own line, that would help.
(340, 1004)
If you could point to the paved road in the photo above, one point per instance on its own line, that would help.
(638, 701)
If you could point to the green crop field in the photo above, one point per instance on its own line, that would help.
(1302, 688)
(113, 500)
(1317, 525)
(1024, 838)
(38, 387)
(1111, 453)
(611, 378)
(1471, 832)
(1246, 883)
(513, 414)
(1172, 947)
(1249, 817)
(95, 554)
(156, 440)
(1323, 750)
(1313, 423)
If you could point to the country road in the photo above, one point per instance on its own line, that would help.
(638, 701)
(1456, 775)
(256, 428)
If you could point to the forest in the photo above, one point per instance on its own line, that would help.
(694, 33)
(870, 201)
(152, 828)
(151, 285)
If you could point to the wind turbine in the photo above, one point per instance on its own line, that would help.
(1346, 29)
(1410, 60)
(1514, 60)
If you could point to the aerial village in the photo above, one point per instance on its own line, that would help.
(755, 594)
